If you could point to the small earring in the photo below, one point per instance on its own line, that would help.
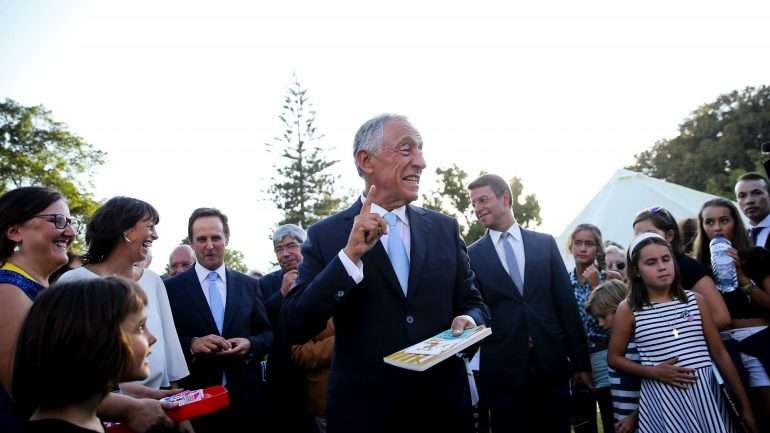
(128, 241)
(17, 247)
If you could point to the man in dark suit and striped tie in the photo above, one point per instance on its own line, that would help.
(538, 342)
(751, 191)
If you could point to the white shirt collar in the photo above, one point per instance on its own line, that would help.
(400, 212)
(764, 223)
(514, 230)
(202, 272)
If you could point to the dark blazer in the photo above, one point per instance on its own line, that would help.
(287, 382)
(373, 319)
(245, 317)
(270, 288)
(546, 312)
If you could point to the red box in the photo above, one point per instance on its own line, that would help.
(214, 399)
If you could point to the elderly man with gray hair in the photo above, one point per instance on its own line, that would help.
(297, 374)
(390, 274)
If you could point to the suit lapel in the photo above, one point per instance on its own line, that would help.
(495, 268)
(199, 300)
(419, 231)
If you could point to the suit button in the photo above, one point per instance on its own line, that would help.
(340, 294)
(409, 319)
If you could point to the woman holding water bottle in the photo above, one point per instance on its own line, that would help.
(720, 244)
(694, 275)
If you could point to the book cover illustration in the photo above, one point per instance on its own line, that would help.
(429, 352)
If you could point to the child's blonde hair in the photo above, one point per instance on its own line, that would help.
(605, 298)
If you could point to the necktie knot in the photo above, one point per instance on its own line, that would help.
(211, 277)
(391, 219)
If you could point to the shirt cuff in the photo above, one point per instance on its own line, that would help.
(354, 270)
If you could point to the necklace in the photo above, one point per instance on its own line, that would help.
(674, 329)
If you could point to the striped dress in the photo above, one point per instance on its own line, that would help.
(664, 331)
(625, 387)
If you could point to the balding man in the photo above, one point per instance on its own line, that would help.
(181, 259)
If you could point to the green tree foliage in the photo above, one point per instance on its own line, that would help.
(235, 260)
(716, 144)
(302, 187)
(37, 150)
(452, 198)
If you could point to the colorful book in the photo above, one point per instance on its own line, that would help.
(429, 352)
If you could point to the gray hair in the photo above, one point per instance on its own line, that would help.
(292, 230)
(370, 134)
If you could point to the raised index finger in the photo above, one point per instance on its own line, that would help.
(367, 208)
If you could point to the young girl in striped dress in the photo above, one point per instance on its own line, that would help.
(677, 340)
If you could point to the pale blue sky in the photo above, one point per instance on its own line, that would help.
(183, 94)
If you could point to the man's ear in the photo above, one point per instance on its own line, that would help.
(364, 161)
(510, 201)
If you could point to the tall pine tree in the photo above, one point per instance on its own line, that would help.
(302, 186)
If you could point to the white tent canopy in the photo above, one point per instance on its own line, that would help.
(613, 209)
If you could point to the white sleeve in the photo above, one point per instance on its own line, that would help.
(355, 270)
(176, 366)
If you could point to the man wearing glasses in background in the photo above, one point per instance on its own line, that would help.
(285, 373)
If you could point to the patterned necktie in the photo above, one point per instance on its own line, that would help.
(513, 264)
(754, 233)
(397, 252)
(215, 301)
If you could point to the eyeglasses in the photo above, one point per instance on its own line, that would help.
(619, 266)
(60, 221)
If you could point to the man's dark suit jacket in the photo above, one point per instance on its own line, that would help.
(547, 312)
(245, 317)
(373, 319)
(286, 381)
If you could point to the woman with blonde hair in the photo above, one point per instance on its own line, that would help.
(585, 244)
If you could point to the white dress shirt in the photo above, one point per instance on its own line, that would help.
(203, 274)
(516, 243)
(356, 270)
(762, 237)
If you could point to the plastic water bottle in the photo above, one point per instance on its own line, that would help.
(723, 265)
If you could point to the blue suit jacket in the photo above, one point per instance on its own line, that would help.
(547, 312)
(373, 318)
(245, 317)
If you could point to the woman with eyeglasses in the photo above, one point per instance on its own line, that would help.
(35, 232)
(585, 245)
(694, 275)
(748, 336)
(119, 236)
